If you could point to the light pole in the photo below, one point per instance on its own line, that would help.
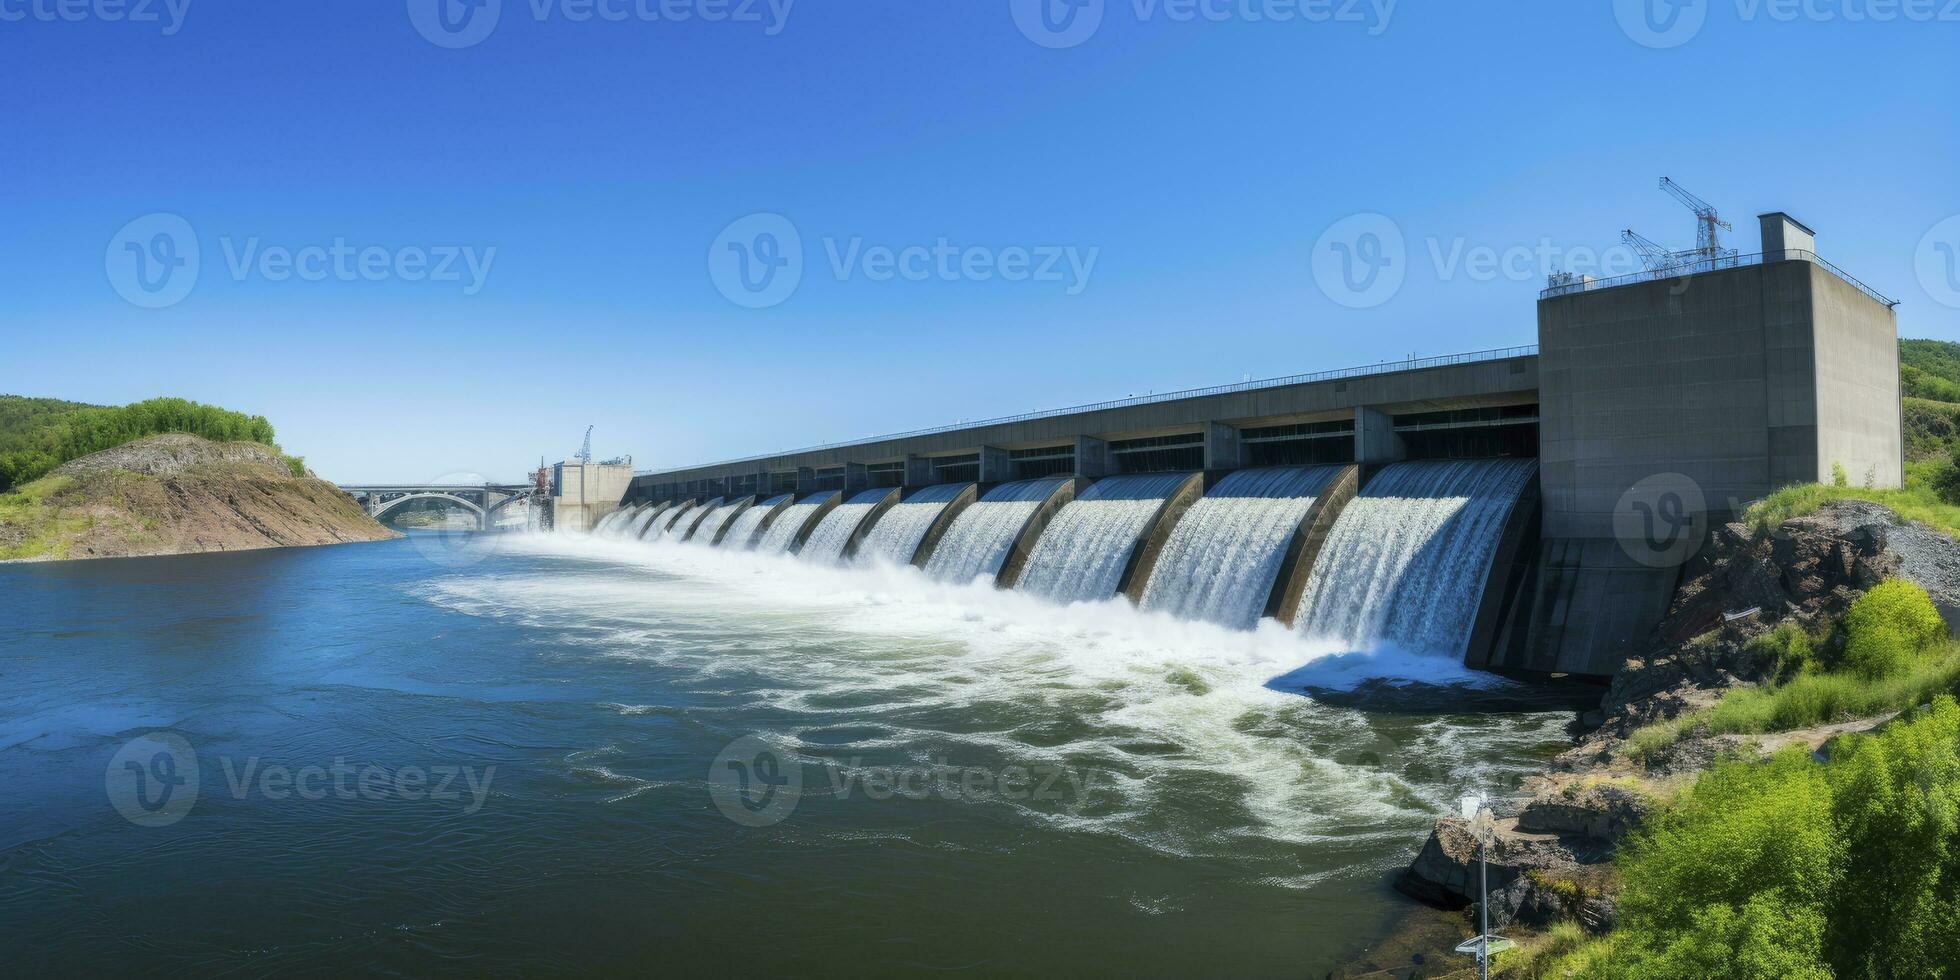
(1474, 806)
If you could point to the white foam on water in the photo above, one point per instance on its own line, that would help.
(1186, 746)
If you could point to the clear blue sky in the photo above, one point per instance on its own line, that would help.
(1200, 159)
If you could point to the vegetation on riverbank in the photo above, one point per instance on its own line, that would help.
(39, 434)
(1786, 866)
(1891, 652)
(172, 494)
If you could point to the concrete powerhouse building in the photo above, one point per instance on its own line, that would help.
(1655, 404)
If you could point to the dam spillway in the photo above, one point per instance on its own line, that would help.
(1406, 563)
(712, 525)
(1403, 564)
(980, 538)
(1223, 557)
(897, 536)
(1082, 554)
(742, 532)
(782, 531)
(834, 532)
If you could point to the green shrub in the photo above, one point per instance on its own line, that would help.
(1784, 652)
(41, 435)
(1791, 868)
(1890, 629)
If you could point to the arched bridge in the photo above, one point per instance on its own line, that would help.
(484, 500)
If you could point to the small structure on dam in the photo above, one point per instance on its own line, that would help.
(1527, 509)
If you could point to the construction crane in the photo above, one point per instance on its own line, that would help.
(1708, 227)
(585, 451)
(1655, 256)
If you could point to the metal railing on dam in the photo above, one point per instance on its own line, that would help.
(1366, 370)
(1698, 266)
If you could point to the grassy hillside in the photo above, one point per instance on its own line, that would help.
(39, 434)
(1929, 375)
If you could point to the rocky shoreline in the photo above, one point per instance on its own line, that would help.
(177, 494)
(1552, 844)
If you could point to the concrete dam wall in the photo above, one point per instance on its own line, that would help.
(1417, 541)
(1523, 509)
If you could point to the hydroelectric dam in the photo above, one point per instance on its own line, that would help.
(1528, 509)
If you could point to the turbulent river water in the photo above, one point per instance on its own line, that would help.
(989, 783)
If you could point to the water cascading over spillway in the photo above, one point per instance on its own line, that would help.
(782, 531)
(897, 535)
(638, 528)
(1082, 553)
(826, 543)
(1222, 558)
(742, 532)
(1406, 563)
(670, 519)
(981, 536)
(714, 522)
(605, 525)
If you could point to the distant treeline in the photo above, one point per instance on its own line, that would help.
(39, 434)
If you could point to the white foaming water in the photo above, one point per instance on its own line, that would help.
(718, 519)
(638, 528)
(783, 530)
(606, 523)
(1221, 559)
(670, 519)
(741, 535)
(683, 530)
(981, 536)
(1083, 551)
(1405, 565)
(897, 535)
(1186, 747)
(826, 543)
